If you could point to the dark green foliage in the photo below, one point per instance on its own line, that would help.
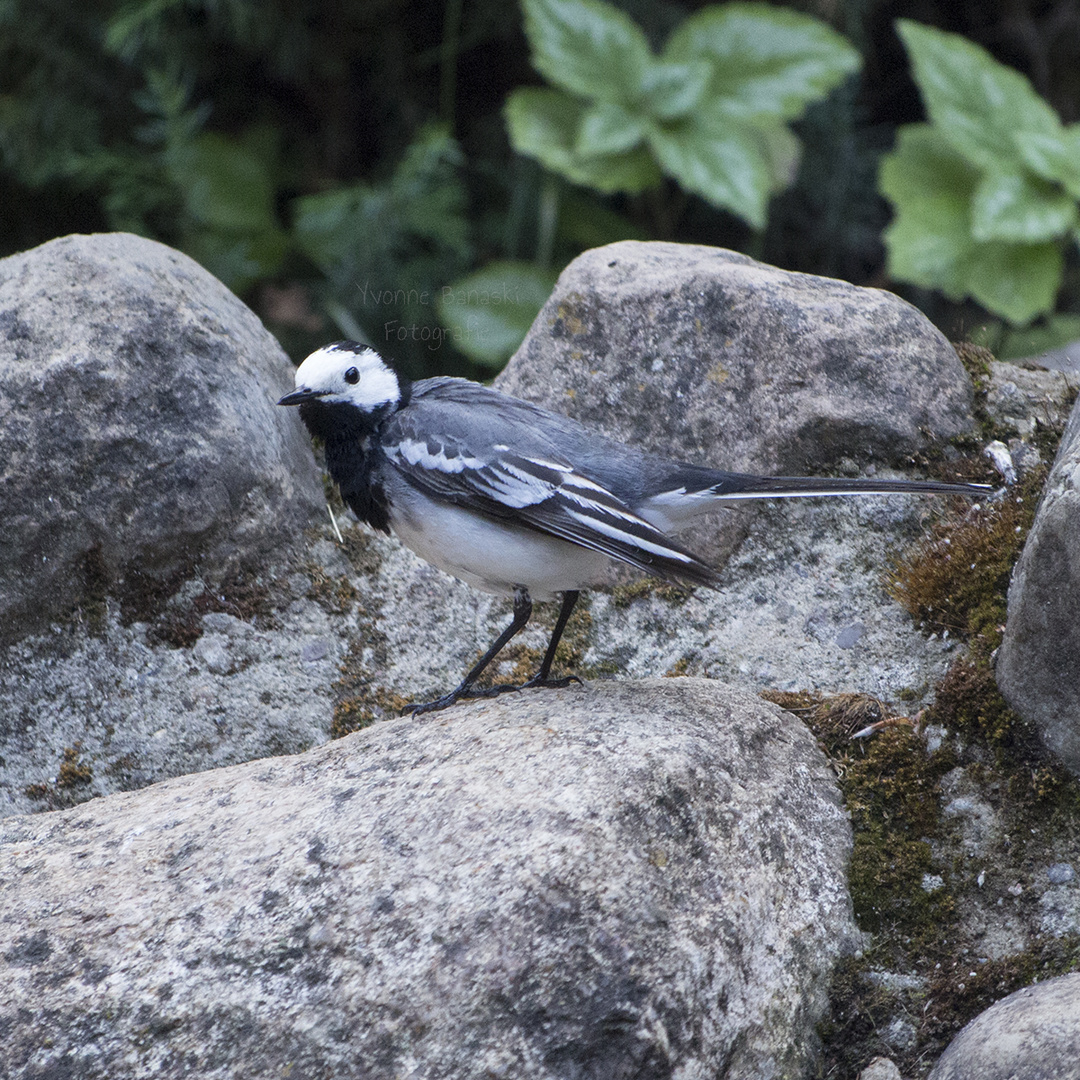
(239, 131)
(386, 250)
(346, 166)
(710, 110)
(985, 193)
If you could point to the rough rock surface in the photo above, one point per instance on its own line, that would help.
(802, 606)
(1038, 667)
(85, 713)
(704, 354)
(1033, 1034)
(1026, 399)
(612, 880)
(138, 436)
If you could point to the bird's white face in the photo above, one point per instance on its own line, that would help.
(345, 373)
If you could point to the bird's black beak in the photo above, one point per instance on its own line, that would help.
(300, 395)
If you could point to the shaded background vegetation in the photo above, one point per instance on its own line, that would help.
(339, 164)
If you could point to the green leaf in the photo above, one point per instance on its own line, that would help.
(929, 242)
(607, 129)
(127, 28)
(427, 193)
(767, 62)
(422, 205)
(1053, 157)
(228, 189)
(1017, 281)
(544, 124)
(489, 313)
(237, 260)
(1014, 206)
(670, 91)
(980, 106)
(325, 225)
(720, 158)
(400, 239)
(587, 47)
(930, 186)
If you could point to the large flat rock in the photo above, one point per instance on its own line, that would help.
(615, 880)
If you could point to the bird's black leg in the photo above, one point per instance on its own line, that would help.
(522, 612)
(570, 598)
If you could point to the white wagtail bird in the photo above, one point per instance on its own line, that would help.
(513, 499)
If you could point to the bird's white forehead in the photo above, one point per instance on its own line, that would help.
(325, 369)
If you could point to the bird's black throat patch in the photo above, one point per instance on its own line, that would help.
(352, 454)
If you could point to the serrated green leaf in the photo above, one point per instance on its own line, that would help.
(1053, 157)
(930, 186)
(669, 91)
(587, 47)
(607, 128)
(924, 167)
(767, 62)
(1017, 281)
(929, 242)
(489, 313)
(979, 105)
(1019, 208)
(544, 124)
(632, 172)
(720, 158)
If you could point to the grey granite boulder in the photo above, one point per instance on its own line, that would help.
(1038, 667)
(706, 355)
(138, 435)
(615, 880)
(1033, 1034)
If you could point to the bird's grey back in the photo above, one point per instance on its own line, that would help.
(481, 418)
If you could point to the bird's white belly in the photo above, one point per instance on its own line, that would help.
(495, 557)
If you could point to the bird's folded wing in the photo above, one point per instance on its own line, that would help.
(541, 492)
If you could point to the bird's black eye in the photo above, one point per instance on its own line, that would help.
(352, 376)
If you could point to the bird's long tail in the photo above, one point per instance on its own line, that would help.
(745, 486)
(691, 491)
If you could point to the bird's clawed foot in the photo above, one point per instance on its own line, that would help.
(444, 702)
(554, 684)
(466, 693)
